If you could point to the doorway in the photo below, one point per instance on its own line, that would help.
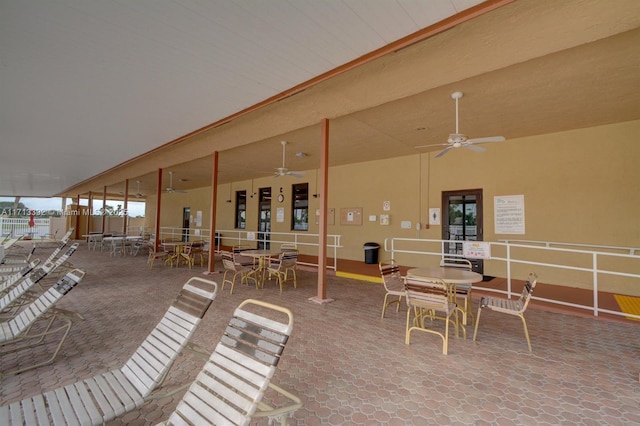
(264, 218)
(186, 223)
(462, 221)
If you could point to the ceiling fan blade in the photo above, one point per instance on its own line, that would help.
(443, 152)
(427, 146)
(474, 148)
(487, 139)
(296, 174)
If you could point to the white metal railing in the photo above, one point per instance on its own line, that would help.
(588, 260)
(19, 227)
(253, 238)
(631, 250)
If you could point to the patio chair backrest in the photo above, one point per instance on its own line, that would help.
(456, 262)
(429, 294)
(391, 277)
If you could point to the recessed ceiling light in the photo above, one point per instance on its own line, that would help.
(300, 154)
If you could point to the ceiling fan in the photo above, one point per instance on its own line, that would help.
(139, 194)
(283, 171)
(459, 140)
(171, 189)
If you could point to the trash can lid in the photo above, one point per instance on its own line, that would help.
(370, 246)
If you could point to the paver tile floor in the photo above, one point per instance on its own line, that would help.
(347, 364)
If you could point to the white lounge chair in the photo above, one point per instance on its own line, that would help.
(20, 289)
(230, 388)
(103, 397)
(22, 332)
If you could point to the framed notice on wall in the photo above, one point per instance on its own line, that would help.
(351, 216)
(509, 214)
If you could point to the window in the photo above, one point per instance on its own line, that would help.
(300, 207)
(241, 209)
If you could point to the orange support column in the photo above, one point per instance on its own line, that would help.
(213, 210)
(157, 228)
(321, 297)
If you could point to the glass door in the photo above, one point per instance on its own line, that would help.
(462, 217)
(264, 218)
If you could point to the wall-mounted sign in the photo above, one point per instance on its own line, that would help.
(509, 214)
(434, 216)
(386, 206)
(476, 249)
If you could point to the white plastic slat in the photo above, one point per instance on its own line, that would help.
(42, 413)
(229, 388)
(163, 343)
(88, 402)
(55, 409)
(104, 397)
(184, 410)
(199, 291)
(282, 328)
(16, 413)
(223, 412)
(234, 374)
(5, 332)
(121, 385)
(241, 358)
(67, 402)
(126, 393)
(139, 377)
(5, 414)
(148, 362)
(251, 388)
(175, 419)
(171, 333)
(99, 385)
(185, 321)
(152, 346)
(28, 412)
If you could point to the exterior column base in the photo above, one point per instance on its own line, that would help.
(319, 301)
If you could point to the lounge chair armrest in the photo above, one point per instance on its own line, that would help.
(280, 412)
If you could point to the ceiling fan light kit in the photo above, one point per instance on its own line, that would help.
(460, 140)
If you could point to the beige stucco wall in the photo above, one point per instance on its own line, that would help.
(579, 186)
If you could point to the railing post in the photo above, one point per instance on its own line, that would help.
(508, 270)
(595, 284)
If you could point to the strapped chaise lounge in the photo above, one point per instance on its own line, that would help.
(230, 387)
(103, 397)
(34, 323)
(21, 289)
(6, 281)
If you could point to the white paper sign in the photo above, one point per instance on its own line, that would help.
(509, 214)
(476, 249)
(280, 214)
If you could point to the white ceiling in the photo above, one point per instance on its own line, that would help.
(87, 85)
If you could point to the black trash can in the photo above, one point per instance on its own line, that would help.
(371, 252)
